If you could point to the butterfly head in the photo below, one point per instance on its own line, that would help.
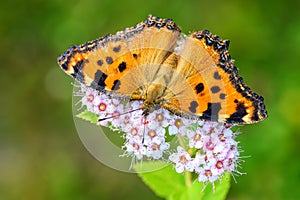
(153, 97)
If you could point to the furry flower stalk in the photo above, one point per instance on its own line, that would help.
(206, 149)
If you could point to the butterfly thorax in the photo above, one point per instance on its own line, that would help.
(153, 97)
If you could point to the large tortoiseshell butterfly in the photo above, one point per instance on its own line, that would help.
(191, 76)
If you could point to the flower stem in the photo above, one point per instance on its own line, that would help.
(181, 141)
(187, 174)
(188, 178)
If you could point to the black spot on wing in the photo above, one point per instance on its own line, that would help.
(199, 88)
(237, 116)
(212, 112)
(117, 48)
(99, 80)
(65, 66)
(193, 106)
(217, 76)
(100, 62)
(116, 85)
(215, 89)
(122, 66)
(109, 60)
(78, 74)
(222, 96)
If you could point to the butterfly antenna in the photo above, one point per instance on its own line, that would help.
(144, 128)
(105, 118)
(144, 131)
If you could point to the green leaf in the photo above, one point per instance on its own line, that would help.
(168, 184)
(89, 116)
(163, 182)
(188, 192)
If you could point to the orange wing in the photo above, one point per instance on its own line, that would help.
(194, 74)
(121, 63)
(218, 93)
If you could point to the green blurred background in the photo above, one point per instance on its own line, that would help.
(41, 155)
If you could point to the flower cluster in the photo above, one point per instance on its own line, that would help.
(214, 152)
(206, 148)
(145, 136)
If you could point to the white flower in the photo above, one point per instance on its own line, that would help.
(195, 139)
(159, 118)
(182, 160)
(157, 136)
(155, 150)
(207, 175)
(88, 97)
(135, 147)
(179, 125)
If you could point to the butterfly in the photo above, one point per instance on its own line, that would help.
(191, 76)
